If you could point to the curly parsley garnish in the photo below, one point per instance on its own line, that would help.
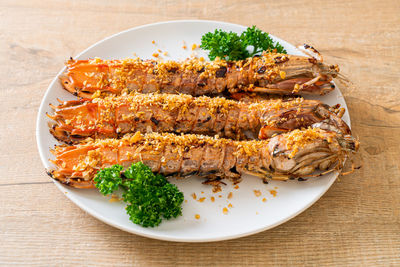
(231, 46)
(150, 197)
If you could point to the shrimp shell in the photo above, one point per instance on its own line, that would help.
(113, 117)
(293, 154)
(271, 73)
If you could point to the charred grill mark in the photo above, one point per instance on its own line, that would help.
(173, 70)
(154, 120)
(261, 70)
(312, 60)
(221, 72)
(200, 70)
(280, 59)
(233, 170)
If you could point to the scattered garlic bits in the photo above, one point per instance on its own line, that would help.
(115, 198)
(225, 210)
(230, 195)
(257, 193)
(197, 216)
(273, 192)
(197, 74)
(264, 200)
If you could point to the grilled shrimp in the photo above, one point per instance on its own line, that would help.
(271, 73)
(113, 117)
(295, 154)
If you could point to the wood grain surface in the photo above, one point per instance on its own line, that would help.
(357, 222)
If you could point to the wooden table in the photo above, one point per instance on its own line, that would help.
(357, 222)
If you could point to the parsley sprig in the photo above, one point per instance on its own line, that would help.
(231, 46)
(150, 197)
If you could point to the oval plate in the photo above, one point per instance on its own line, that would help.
(247, 213)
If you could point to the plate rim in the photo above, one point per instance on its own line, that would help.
(160, 236)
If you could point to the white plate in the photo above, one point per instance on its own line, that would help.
(249, 213)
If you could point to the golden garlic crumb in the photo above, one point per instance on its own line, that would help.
(230, 205)
(197, 216)
(194, 196)
(273, 192)
(202, 199)
(264, 199)
(114, 198)
(212, 199)
(230, 195)
(225, 210)
(257, 193)
(155, 54)
(194, 46)
(236, 187)
(153, 42)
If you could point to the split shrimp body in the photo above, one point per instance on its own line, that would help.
(295, 154)
(112, 117)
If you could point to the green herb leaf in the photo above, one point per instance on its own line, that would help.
(260, 41)
(108, 179)
(231, 46)
(150, 197)
(226, 45)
